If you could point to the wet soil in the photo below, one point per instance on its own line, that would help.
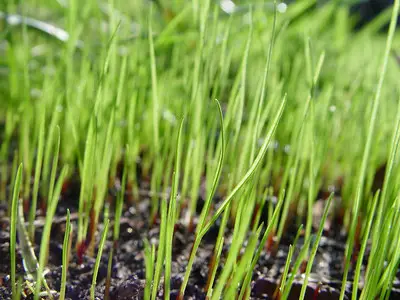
(128, 272)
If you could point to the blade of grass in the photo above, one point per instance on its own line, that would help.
(13, 228)
(250, 172)
(44, 244)
(261, 246)
(367, 149)
(357, 272)
(154, 87)
(98, 259)
(66, 255)
(149, 258)
(172, 215)
(206, 206)
(315, 247)
(54, 166)
(36, 181)
(160, 250)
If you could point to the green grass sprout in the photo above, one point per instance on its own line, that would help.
(13, 228)
(66, 255)
(92, 136)
(367, 149)
(98, 259)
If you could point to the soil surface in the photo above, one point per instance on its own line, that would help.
(128, 272)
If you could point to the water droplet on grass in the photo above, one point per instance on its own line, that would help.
(282, 7)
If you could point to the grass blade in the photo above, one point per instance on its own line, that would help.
(66, 255)
(98, 259)
(13, 228)
(315, 247)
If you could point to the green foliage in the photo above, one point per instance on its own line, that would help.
(304, 102)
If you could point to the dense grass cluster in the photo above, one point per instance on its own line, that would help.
(304, 104)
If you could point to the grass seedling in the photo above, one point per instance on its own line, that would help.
(172, 209)
(292, 247)
(154, 89)
(149, 258)
(98, 259)
(302, 255)
(261, 245)
(285, 271)
(367, 149)
(13, 228)
(360, 258)
(204, 228)
(243, 266)
(160, 251)
(215, 261)
(118, 212)
(54, 166)
(36, 181)
(206, 207)
(66, 255)
(122, 74)
(86, 185)
(315, 247)
(44, 244)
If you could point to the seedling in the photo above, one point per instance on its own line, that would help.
(220, 195)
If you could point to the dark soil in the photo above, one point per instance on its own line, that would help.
(128, 272)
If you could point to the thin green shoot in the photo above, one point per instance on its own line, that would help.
(19, 289)
(357, 272)
(118, 213)
(206, 207)
(219, 243)
(66, 254)
(87, 181)
(44, 244)
(160, 250)
(172, 215)
(252, 169)
(243, 266)
(392, 158)
(266, 234)
(215, 262)
(29, 260)
(54, 166)
(315, 247)
(154, 88)
(13, 228)
(36, 181)
(149, 258)
(367, 149)
(296, 266)
(98, 259)
(207, 204)
(264, 82)
(286, 269)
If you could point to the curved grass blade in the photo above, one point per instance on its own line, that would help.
(250, 172)
(206, 206)
(13, 228)
(29, 259)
